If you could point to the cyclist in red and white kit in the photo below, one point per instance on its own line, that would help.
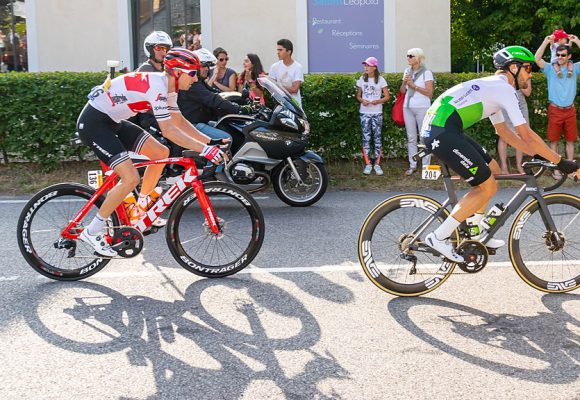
(103, 126)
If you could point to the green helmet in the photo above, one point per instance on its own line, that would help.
(512, 54)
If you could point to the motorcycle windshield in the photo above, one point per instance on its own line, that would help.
(281, 96)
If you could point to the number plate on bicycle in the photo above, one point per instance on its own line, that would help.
(95, 178)
(431, 172)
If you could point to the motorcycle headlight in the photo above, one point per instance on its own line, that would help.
(305, 124)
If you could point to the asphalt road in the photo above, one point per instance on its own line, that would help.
(302, 322)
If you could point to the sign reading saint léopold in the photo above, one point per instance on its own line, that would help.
(342, 33)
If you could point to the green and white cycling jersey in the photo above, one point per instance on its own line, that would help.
(473, 101)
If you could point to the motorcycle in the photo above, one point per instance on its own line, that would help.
(269, 147)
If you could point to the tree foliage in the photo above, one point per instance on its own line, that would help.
(480, 27)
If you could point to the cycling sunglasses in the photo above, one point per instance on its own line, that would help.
(191, 73)
(161, 48)
(527, 68)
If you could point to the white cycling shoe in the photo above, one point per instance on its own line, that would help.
(491, 243)
(443, 247)
(97, 242)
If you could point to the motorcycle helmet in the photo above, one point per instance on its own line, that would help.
(206, 57)
(153, 39)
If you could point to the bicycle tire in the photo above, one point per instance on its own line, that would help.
(39, 226)
(233, 207)
(529, 228)
(410, 210)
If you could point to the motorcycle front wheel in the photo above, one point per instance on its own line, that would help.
(292, 192)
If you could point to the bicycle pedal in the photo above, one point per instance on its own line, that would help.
(150, 230)
(491, 251)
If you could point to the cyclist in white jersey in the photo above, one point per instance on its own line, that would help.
(462, 106)
(103, 126)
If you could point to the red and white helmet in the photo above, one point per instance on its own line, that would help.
(182, 59)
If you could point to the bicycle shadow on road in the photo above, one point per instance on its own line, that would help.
(242, 343)
(544, 342)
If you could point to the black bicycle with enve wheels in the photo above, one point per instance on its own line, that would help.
(543, 242)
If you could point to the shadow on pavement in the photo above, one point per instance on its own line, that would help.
(235, 337)
(498, 342)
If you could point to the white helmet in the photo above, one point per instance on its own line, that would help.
(155, 38)
(206, 58)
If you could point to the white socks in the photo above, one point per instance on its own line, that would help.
(446, 228)
(97, 225)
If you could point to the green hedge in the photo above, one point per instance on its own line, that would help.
(38, 113)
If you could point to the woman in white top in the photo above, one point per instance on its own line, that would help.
(418, 89)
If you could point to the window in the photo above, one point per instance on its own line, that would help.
(179, 18)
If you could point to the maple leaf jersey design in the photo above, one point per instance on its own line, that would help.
(133, 93)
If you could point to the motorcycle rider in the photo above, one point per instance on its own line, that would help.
(200, 104)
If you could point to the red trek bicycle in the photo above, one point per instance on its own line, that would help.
(214, 229)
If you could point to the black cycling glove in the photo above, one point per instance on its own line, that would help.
(246, 109)
(567, 166)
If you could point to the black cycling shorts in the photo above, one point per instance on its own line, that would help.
(110, 140)
(461, 153)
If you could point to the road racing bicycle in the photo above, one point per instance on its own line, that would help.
(214, 229)
(543, 241)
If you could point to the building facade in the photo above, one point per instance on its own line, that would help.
(328, 35)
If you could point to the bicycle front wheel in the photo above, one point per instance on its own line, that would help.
(548, 261)
(197, 249)
(392, 253)
(39, 233)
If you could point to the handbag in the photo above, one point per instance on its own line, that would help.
(397, 112)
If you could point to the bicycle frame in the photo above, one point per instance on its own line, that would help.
(189, 178)
(529, 188)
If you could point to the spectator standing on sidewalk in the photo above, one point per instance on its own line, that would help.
(221, 78)
(418, 89)
(561, 94)
(287, 72)
(371, 94)
(501, 144)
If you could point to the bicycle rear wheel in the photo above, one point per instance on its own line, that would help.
(548, 261)
(204, 253)
(39, 233)
(384, 251)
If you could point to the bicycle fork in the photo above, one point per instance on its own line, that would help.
(207, 208)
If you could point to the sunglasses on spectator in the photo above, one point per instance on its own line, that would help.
(410, 56)
(191, 73)
(161, 48)
(562, 55)
(224, 59)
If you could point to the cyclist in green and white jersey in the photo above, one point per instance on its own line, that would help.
(462, 106)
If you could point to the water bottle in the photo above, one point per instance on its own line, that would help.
(473, 224)
(153, 197)
(129, 202)
(491, 216)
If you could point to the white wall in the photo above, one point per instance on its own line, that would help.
(80, 35)
(251, 26)
(424, 24)
(77, 35)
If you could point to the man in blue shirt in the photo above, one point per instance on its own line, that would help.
(561, 94)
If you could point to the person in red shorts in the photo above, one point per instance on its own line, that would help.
(561, 94)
